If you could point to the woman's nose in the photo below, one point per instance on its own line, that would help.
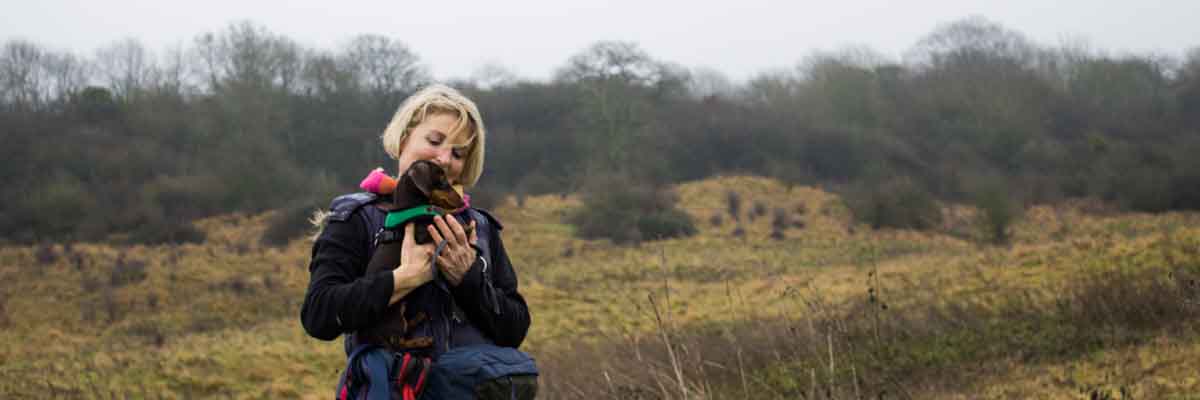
(443, 157)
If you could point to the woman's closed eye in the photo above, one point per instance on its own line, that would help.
(457, 152)
(435, 138)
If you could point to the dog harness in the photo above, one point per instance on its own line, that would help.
(396, 219)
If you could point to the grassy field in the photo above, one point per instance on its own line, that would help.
(1085, 303)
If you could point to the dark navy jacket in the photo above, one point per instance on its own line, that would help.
(486, 307)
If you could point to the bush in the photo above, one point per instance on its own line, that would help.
(628, 212)
(1185, 191)
(997, 211)
(780, 219)
(758, 210)
(159, 231)
(1144, 189)
(288, 224)
(5, 322)
(666, 224)
(45, 255)
(734, 202)
(127, 271)
(185, 197)
(779, 222)
(486, 197)
(896, 203)
(56, 209)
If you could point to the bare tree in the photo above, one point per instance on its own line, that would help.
(21, 73)
(173, 76)
(126, 67)
(1060, 64)
(288, 63)
(68, 75)
(382, 65)
(324, 76)
(1189, 90)
(611, 60)
(246, 50)
(617, 82)
(708, 82)
(33, 78)
(972, 41)
(491, 75)
(247, 55)
(776, 89)
(206, 56)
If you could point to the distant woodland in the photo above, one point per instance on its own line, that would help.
(129, 143)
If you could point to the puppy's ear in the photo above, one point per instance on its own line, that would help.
(423, 174)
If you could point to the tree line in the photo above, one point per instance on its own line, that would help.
(137, 143)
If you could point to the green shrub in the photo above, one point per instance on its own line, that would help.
(1144, 189)
(1185, 191)
(161, 231)
(486, 197)
(895, 203)
(127, 271)
(666, 224)
(997, 212)
(288, 224)
(56, 209)
(628, 212)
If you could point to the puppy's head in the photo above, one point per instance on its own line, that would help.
(430, 180)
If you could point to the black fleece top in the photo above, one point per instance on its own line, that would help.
(340, 299)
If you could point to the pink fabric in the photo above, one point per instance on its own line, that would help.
(371, 182)
(466, 203)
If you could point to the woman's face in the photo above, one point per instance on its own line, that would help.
(434, 139)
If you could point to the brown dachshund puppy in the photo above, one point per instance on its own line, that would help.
(423, 184)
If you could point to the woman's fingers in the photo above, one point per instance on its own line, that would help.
(474, 233)
(445, 231)
(457, 228)
(451, 230)
(434, 232)
(408, 240)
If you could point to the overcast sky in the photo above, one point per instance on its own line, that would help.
(532, 38)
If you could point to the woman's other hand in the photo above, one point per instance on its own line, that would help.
(414, 269)
(456, 259)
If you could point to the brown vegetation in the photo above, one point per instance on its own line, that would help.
(1058, 313)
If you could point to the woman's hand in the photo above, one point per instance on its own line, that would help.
(456, 259)
(414, 269)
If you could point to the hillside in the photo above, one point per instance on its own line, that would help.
(1084, 302)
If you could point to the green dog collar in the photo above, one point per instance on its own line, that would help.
(396, 219)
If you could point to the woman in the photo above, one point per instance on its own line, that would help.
(477, 300)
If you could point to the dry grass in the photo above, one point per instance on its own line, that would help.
(742, 316)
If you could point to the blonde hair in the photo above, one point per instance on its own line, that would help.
(440, 99)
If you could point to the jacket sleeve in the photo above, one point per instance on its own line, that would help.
(339, 298)
(494, 305)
